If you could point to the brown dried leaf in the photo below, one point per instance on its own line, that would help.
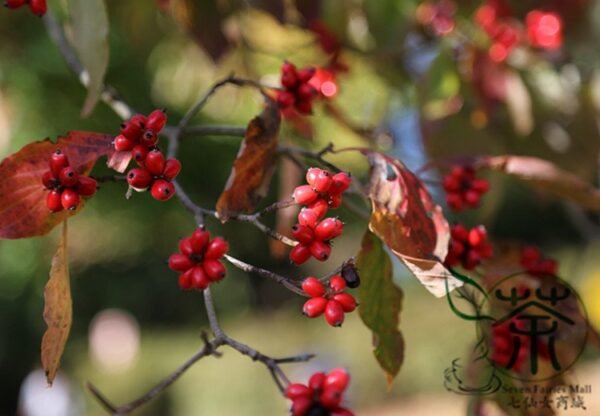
(254, 166)
(411, 225)
(58, 313)
(547, 176)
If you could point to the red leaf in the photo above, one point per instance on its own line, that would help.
(23, 211)
(411, 225)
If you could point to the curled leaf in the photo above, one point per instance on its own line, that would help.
(254, 166)
(23, 211)
(380, 304)
(409, 223)
(546, 176)
(58, 313)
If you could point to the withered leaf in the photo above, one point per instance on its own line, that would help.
(409, 223)
(254, 166)
(58, 313)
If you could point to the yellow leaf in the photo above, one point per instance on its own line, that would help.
(58, 312)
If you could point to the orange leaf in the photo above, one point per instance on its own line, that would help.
(547, 176)
(58, 313)
(254, 166)
(23, 211)
(411, 225)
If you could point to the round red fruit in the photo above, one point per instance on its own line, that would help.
(307, 217)
(334, 313)
(199, 239)
(304, 194)
(172, 168)
(198, 278)
(131, 130)
(323, 182)
(38, 7)
(186, 247)
(180, 262)
(49, 180)
(297, 390)
(315, 307)
(58, 161)
(346, 300)
(185, 281)
(312, 174)
(123, 144)
(319, 207)
(53, 201)
(216, 248)
(214, 269)
(162, 190)
(299, 254)
(155, 162)
(14, 4)
(316, 381)
(303, 234)
(68, 177)
(285, 99)
(337, 379)
(337, 283)
(139, 154)
(305, 74)
(341, 182)
(139, 178)
(69, 199)
(149, 138)
(320, 250)
(328, 229)
(313, 287)
(86, 186)
(156, 120)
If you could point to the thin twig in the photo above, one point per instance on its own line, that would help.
(108, 94)
(290, 284)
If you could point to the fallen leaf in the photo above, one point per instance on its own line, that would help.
(547, 176)
(58, 313)
(380, 304)
(409, 223)
(90, 36)
(23, 211)
(254, 166)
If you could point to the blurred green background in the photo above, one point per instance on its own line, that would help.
(118, 247)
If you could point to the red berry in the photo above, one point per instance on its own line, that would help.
(346, 300)
(214, 269)
(300, 254)
(288, 67)
(186, 247)
(334, 313)
(49, 180)
(457, 248)
(323, 182)
(472, 260)
(320, 250)
(306, 92)
(149, 138)
(297, 390)
(216, 248)
(335, 200)
(304, 194)
(86, 186)
(289, 79)
(337, 379)
(198, 278)
(131, 130)
(316, 381)
(319, 207)
(53, 201)
(459, 232)
(172, 168)
(480, 185)
(69, 199)
(328, 229)
(303, 234)
(337, 283)
(285, 99)
(307, 218)
(155, 162)
(471, 198)
(58, 161)
(340, 411)
(68, 177)
(312, 174)
(477, 236)
(304, 106)
(38, 7)
(313, 287)
(314, 307)
(139, 178)
(139, 154)
(139, 120)
(455, 202)
(199, 240)
(451, 184)
(156, 120)
(341, 182)
(180, 262)
(530, 254)
(305, 74)
(123, 144)
(14, 4)
(301, 406)
(162, 190)
(185, 280)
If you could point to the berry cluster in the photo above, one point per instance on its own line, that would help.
(335, 302)
(543, 29)
(65, 184)
(468, 247)
(314, 235)
(37, 7)
(535, 264)
(198, 260)
(463, 188)
(322, 396)
(298, 93)
(140, 136)
(503, 345)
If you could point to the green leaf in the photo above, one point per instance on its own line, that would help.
(90, 37)
(380, 304)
